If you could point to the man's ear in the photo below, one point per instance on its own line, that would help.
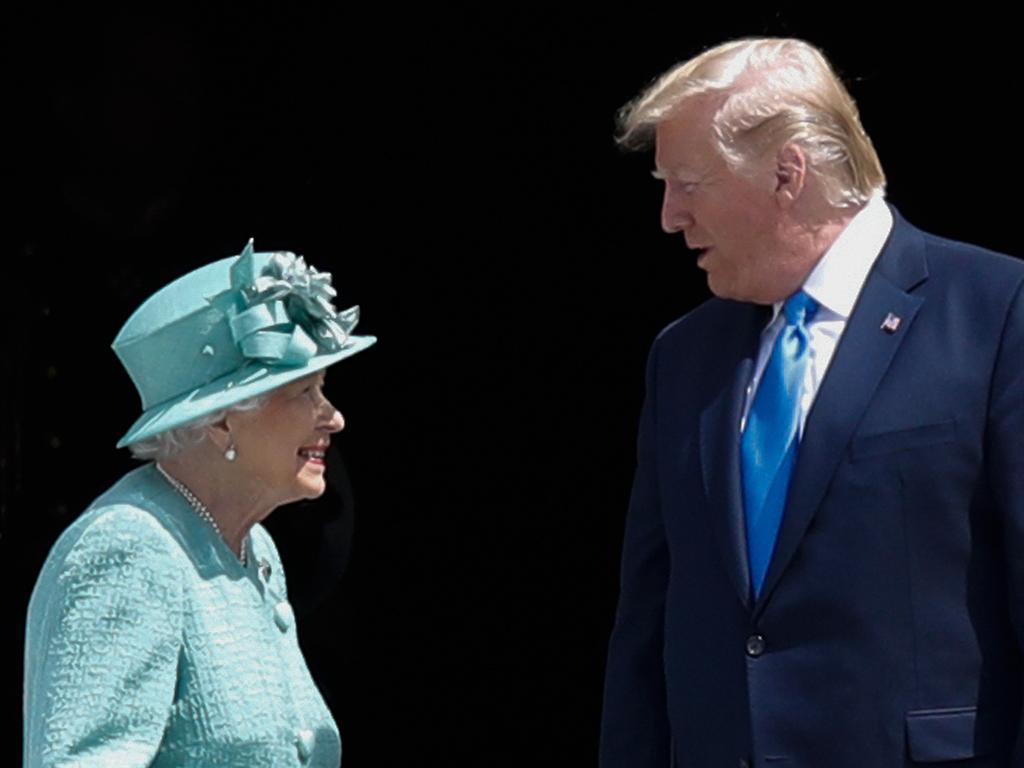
(790, 174)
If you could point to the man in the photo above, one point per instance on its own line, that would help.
(823, 563)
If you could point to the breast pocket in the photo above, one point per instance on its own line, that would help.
(912, 438)
(941, 735)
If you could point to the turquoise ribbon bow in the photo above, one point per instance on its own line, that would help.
(284, 314)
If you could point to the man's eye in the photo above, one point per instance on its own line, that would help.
(686, 187)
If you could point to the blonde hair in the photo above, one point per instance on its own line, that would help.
(774, 92)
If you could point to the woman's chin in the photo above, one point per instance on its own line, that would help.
(312, 482)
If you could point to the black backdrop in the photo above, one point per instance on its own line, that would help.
(455, 171)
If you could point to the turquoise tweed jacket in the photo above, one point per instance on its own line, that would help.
(149, 644)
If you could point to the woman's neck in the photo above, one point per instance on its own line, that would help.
(234, 502)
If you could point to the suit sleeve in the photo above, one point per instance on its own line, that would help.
(1005, 444)
(104, 634)
(634, 727)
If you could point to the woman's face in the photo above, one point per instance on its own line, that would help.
(282, 446)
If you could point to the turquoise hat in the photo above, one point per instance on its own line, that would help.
(228, 331)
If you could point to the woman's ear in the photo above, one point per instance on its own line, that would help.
(220, 434)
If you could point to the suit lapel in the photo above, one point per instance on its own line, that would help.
(720, 442)
(861, 360)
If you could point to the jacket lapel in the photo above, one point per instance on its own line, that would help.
(720, 443)
(861, 360)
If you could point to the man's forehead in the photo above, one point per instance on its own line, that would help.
(682, 142)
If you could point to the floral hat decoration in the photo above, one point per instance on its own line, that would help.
(228, 331)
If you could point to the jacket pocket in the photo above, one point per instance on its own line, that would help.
(879, 444)
(938, 735)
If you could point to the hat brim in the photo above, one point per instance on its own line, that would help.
(248, 381)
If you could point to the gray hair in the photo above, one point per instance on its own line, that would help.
(164, 445)
(774, 91)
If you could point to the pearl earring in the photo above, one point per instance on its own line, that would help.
(231, 454)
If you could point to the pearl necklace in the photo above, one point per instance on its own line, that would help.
(198, 506)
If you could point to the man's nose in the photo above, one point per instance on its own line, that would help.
(675, 214)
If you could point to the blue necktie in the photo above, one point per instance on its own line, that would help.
(769, 443)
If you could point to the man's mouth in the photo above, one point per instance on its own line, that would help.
(313, 454)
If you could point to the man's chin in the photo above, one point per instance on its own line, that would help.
(722, 288)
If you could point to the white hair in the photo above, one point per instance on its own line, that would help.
(164, 445)
(773, 92)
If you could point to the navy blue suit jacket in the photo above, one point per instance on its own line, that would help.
(890, 625)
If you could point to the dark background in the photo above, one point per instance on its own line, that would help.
(455, 171)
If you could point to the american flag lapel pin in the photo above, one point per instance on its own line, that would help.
(891, 323)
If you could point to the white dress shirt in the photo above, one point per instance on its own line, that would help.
(835, 283)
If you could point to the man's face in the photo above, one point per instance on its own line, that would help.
(731, 220)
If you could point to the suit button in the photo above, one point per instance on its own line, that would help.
(755, 646)
(744, 763)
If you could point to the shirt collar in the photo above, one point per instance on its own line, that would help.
(837, 278)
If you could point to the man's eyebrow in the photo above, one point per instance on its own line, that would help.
(678, 175)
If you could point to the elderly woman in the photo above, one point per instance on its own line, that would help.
(159, 632)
